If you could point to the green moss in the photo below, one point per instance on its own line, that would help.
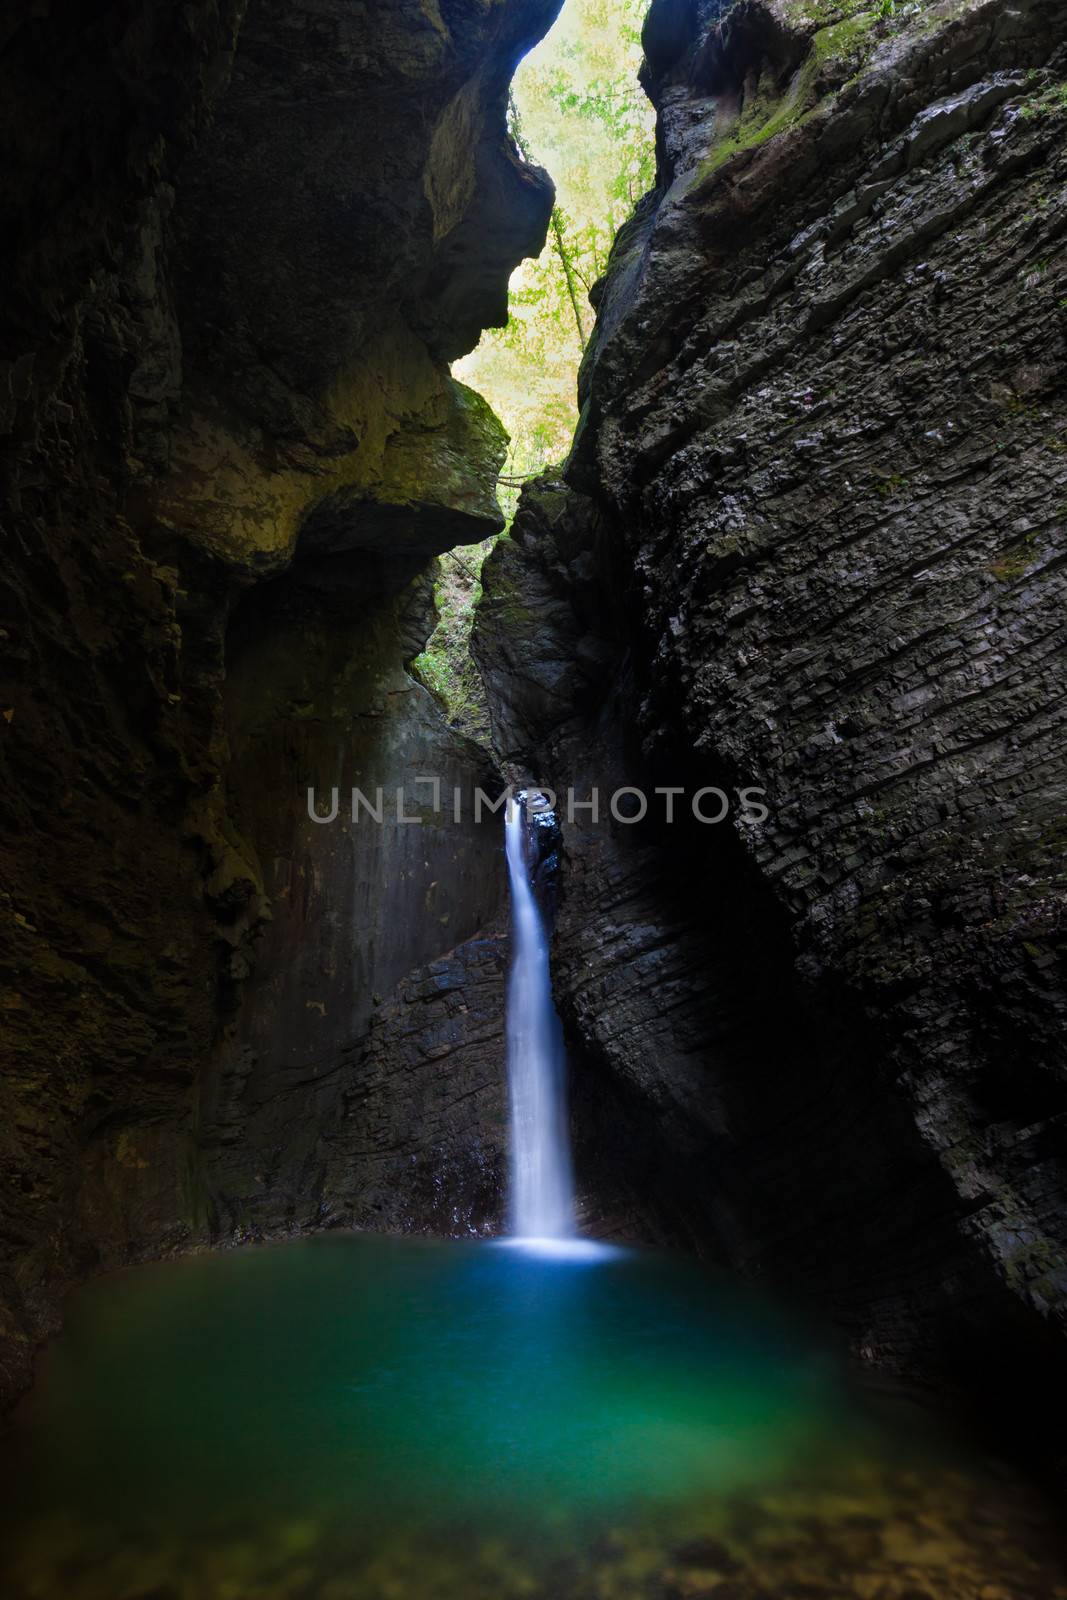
(511, 611)
(1050, 102)
(445, 667)
(1034, 1266)
(846, 37)
(888, 483)
(450, 463)
(1013, 562)
(808, 16)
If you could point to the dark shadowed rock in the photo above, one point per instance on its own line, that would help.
(821, 482)
(240, 245)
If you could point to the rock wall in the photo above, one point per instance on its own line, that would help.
(811, 540)
(241, 245)
(317, 694)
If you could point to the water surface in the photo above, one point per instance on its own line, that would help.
(350, 1416)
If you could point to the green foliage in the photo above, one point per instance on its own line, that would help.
(846, 35)
(445, 666)
(1052, 101)
(578, 110)
(888, 483)
(1012, 563)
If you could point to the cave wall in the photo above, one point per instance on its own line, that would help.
(317, 696)
(811, 539)
(241, 244)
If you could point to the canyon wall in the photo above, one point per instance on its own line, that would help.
(241, 245)
(811, 540)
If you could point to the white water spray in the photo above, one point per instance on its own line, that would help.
(542, 1194)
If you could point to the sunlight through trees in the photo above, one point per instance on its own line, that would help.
(577, 109)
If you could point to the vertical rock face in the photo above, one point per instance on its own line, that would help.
(821, 483)
(241, 244)
(317, 695)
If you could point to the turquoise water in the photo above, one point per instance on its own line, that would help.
(349, 1416)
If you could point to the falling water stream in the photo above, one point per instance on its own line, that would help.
(542, 1198)
(352, 1417)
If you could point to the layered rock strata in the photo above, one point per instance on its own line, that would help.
(811, 540)
(241, 245)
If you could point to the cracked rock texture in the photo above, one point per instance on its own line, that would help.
(820, 491)
(240, 244)
(422, 1141)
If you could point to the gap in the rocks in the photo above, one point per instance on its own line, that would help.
(577, 109)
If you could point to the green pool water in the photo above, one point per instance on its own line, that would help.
(349, 1416)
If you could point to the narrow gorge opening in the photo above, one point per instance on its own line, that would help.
(737, 553)
(576, 108)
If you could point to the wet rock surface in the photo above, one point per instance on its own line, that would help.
(819, 484)
(427, 1102)
(399, 1125)
(819, 489)
(241, 244)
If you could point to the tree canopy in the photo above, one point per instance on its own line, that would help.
(578, 110)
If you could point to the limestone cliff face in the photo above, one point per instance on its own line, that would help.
(820, 489)
(240, 244)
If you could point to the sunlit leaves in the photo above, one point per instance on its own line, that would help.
(579, 111)
(582, 114)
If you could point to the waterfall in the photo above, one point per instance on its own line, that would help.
(542, 1200)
